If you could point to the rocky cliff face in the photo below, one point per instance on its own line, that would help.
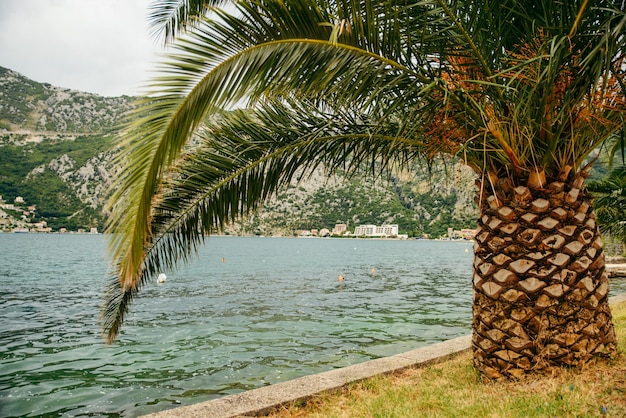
(55, 154)
(89, 181)
(26, 105)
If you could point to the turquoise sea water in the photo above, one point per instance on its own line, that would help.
(272, 311)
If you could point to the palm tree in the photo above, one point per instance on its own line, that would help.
(521, 91)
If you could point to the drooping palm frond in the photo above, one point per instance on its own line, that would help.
(244, 158)
(172, 119)
(513, 86)
(205, 78)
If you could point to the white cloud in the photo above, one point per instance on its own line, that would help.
(98, 46)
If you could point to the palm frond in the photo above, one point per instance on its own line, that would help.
(169, 18)
(610, 203)
(165, 121)
(244, 159)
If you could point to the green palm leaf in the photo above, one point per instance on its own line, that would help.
(610, 203)
(170, 17)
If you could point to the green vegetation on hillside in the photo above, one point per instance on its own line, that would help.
(17, 99)
(27, 171)
(16, 162)
(427, 202)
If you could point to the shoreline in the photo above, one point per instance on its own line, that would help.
(264, 400)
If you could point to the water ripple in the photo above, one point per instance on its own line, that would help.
(272, 311)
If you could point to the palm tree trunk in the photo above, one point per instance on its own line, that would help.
(540, 286)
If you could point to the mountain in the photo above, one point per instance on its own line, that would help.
(26, 105)
(55, 155)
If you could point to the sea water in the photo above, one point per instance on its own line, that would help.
(247, 312)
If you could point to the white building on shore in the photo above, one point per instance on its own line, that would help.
(340, 229)
(376, 231)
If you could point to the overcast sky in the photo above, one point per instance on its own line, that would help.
(97, 46)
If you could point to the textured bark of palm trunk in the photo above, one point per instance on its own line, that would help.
(540, 286)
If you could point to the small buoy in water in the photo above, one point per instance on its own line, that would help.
(162, 278)
(340, 278)
(466, 250)
(223, 260)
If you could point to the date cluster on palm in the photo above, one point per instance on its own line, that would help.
(540, 286)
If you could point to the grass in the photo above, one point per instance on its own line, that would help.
(454, 389)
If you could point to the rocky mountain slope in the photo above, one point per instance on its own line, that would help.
(420, 203)
(29, 106)
(54, 155)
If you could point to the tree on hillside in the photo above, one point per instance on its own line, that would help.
(521, 90)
